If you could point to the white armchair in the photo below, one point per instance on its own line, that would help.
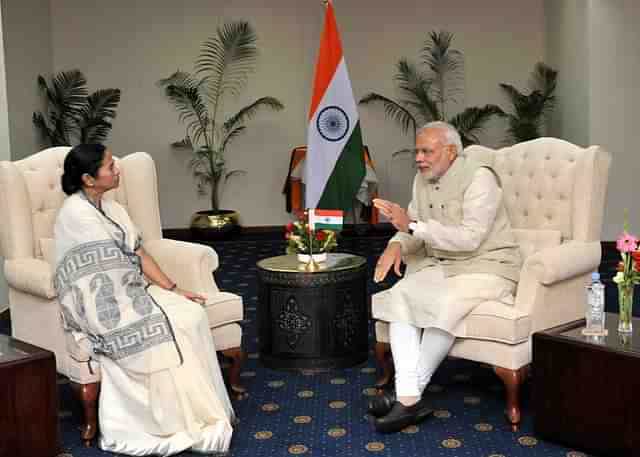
(30, 197)
(554, 193)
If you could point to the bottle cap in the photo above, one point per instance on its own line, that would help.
(595, 276)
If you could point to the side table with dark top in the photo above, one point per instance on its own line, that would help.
(585, 389)
(28, 400)
(310, 320)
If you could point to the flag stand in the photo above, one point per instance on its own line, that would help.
(311, 265)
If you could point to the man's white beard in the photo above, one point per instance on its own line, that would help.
(428, 177)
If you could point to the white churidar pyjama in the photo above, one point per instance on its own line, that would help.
(417, 353)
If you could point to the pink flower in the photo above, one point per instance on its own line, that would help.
(289, 227)
(627, 242)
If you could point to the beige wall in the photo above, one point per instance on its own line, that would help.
(131, 45)
(5, 146)
(614, 38)
(27, 40)
(594, 44)
(567, 50)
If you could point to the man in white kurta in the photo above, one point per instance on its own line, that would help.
(456, 240)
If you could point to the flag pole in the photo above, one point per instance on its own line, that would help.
(311, 264)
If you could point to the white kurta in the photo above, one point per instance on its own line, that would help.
(426, 298)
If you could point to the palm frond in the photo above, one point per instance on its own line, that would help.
(184, 143)
(234, 173)
(392, 110)
(94, 116)
(231, 135)
(446, 65)
(183, 91)
(227, 59)
(472, 121)
(413, 84)
(249, 111)
(543, 78)
(41, 125)
(68, 92)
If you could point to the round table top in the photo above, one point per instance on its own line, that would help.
(336, 261)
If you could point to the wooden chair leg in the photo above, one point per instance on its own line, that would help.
(88, 396)
(237, 357)
(512, 380)
(383, 360)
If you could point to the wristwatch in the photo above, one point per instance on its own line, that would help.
(413, 226)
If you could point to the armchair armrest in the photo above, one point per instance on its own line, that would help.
(30, 275)
(563, 262)
(190, 265)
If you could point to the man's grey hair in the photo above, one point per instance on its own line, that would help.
(450, 133)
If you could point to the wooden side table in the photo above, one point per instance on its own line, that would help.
(28, 400)
(313, 320)
(585, 389)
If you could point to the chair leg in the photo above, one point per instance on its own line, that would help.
(237, 357)
(88, 396)
(512, 380)
(383, 360)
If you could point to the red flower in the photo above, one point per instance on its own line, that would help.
(289, 227)
(636, 255)
(320, 235)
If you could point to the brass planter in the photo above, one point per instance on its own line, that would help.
(214, 224)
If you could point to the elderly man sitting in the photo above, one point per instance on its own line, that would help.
(459, 248)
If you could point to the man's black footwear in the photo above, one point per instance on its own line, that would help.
(402, 416)
(381, 404)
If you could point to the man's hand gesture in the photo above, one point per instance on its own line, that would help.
(392, 256)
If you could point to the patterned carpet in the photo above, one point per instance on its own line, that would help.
(323, 413)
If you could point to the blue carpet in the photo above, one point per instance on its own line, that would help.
(323, 413)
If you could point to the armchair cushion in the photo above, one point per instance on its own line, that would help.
(33, 276)
(566, 261)
(496, 321)
(223, 308)
(490, 320)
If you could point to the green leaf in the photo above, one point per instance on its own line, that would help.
(392, 110)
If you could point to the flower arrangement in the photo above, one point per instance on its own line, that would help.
(299, 236)
(628, 275)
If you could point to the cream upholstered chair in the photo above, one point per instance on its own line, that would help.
(30, 197)
(554, 192)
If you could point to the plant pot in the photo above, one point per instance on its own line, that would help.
(214, 224)
(304, 258)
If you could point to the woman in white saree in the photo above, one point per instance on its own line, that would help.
(162, 390)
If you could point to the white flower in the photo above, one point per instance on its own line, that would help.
(619, 278)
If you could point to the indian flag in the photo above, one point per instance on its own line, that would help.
(334, 165)
(326, 219)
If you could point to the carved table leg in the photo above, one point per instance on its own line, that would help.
(88, 396)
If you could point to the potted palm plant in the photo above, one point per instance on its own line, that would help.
(529, 111)
(73, 116)
(221, 70)
(429, 88)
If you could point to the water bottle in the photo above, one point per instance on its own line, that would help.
(595, 305)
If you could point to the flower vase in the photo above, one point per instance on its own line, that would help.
(321, 257)
(625, 302)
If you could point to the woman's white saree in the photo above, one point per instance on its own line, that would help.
(162, 390)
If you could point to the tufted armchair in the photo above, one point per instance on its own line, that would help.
(554, 192)
(30, 197)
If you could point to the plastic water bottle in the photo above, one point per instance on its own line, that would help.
(595, 305)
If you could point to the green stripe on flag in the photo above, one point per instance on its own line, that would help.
(325, 226)
(348, 173)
